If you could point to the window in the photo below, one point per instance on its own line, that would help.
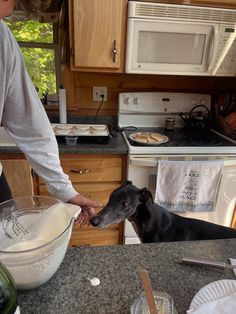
(39, 45)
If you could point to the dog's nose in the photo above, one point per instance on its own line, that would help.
(94, 221)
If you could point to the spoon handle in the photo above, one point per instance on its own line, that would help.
(148, 291)
(205, 262)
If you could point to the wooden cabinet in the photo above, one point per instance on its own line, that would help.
(94, 177)
(18, 174)
(97, 35)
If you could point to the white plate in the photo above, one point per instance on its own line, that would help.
(213, 291)
(133, 138)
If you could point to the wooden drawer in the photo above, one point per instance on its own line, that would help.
(95, 178)
(89, 237)
(92, 170)
(18, 174)
(96, 191)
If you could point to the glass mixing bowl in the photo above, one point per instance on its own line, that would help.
(35, 233)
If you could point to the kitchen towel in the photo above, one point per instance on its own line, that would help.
(188, 185)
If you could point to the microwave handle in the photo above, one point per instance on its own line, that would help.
(213, 50)
(143, 162)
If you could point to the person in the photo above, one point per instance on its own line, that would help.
(25, 120)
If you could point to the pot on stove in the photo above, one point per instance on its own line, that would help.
(197, 120)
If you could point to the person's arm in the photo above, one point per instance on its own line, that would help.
(26, 121)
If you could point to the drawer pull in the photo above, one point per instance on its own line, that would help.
(80, 171)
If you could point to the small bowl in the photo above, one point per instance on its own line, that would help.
(61, 131)
(71, 140)
(82, 127)
(99, 127)
(64, 127)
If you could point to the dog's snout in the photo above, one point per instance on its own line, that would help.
(94, 221)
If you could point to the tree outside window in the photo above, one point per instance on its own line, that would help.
(38, 43)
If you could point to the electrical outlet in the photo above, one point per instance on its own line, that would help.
(98, 91)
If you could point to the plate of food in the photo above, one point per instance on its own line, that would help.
(149, 138)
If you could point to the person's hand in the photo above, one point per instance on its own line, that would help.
(87, 208)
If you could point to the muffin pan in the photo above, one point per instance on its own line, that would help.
(97, 133)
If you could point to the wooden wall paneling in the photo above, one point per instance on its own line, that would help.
(68, 82)
(117, 83)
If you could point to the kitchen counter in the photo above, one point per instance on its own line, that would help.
(116, 145)
(117, 267)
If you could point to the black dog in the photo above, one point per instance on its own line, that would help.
(152, 222)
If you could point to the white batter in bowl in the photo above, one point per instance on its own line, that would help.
(35, 233)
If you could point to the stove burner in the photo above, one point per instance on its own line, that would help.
(201, 138)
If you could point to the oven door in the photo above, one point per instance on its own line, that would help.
(142, 171)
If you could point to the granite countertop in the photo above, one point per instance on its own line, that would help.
(117, 267)
(115, 145)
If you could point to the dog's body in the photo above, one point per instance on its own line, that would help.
(152, 222)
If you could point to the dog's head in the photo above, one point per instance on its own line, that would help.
(122, 204)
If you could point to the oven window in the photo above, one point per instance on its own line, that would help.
(171, 48)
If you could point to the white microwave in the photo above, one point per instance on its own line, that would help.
(180, 40)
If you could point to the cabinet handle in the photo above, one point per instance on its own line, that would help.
(33, 173)
(72, 52)
(80, 171)
(114, 51)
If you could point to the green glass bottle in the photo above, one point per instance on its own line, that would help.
(8, 293)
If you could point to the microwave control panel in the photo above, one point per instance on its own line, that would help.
(226, 52)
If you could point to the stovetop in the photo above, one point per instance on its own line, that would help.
(180, 141)
(148, 113)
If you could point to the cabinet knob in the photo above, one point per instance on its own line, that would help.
(80, 171)
(114, 51)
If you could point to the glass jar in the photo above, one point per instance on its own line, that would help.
(169, 124)
(163, 301)
(8, 293)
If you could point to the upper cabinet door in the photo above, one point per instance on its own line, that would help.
(97, 34)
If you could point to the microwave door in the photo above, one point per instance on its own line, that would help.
(170, 47)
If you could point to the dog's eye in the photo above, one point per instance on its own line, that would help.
(124, 204)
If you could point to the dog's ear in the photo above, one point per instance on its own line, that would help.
(127, 182)
(145, 195)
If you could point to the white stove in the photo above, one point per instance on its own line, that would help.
(146, 113)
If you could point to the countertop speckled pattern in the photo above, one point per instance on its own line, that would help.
(69, 292)
(116, 145)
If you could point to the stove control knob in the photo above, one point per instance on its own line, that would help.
(136, 101)
(127, 100)
(194, 102)
(203, 102)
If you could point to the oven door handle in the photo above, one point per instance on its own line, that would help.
(143, 162)
(154, 163)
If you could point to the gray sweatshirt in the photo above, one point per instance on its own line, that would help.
(25, 120)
